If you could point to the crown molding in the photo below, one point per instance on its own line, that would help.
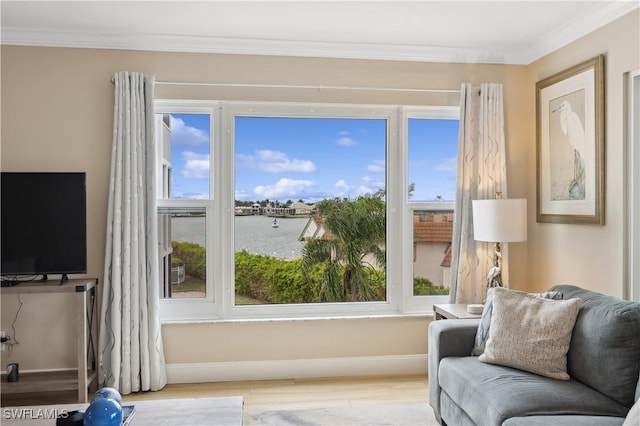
(579, 26)
(250, 46)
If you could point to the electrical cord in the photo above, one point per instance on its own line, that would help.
(11, 280)
(15, 318)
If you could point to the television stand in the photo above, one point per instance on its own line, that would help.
(86, 375)
(63, 278)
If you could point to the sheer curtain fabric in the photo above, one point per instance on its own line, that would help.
(130, 344)
(481, 173)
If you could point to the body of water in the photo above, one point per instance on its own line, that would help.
(252, 233)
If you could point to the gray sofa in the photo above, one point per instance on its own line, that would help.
(603, 362)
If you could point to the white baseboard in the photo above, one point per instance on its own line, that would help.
(296, 368)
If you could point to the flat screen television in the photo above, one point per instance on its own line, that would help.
(44, 224)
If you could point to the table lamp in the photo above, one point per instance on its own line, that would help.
(499, 221)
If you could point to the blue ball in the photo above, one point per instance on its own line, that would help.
(103, 412)
(109, 393)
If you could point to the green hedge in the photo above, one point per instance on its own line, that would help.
(275, 280)
(192, 256)
(424, 287)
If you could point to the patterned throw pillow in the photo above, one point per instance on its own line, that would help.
(530, 333)
(482, 335)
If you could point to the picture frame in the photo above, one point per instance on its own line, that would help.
(570, 145)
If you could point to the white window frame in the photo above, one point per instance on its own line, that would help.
(177, 309)
(418, 304)
(219, 304)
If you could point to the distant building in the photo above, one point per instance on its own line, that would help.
(301, 209)
(432, 235)
(314, 229)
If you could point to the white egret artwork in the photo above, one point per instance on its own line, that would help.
(568, 164)
(570, 145)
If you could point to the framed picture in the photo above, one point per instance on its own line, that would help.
(570, 145)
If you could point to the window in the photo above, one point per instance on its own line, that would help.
(432, 152)
(292, 210)
(306, 190)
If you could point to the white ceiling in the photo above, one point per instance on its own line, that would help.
(515, 32)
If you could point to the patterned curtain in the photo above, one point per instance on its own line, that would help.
(481, 173)
(131, 353)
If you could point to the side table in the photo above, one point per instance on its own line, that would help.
(453, 311)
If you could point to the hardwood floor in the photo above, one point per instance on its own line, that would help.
(304, 393)
(279, 394)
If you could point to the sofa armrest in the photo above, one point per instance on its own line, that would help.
(451, 337)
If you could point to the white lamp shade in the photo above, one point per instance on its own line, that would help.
(500, 221)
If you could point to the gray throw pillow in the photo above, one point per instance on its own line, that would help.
(485, 320)
(530, 333)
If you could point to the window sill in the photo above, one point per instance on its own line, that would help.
(429, 315)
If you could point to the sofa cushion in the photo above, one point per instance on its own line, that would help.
(530, 333)
(490, 394)
(605, 345)
(564, 421)
(482, 335)
(452, 414)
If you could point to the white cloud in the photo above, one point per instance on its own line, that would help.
(363, 189)
(196, 165)
(242, 196)
(343, 186)
(284, 188)
(266, 160)
(184, 135)
(376, 167)
(345, 141)
(367, 186)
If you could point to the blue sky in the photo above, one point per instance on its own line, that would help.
(313, 158)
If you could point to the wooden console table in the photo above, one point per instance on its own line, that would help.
(86, 315)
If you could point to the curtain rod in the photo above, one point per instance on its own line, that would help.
(302, 86)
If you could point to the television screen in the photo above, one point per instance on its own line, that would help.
(44, 223)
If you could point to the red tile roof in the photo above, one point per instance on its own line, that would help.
(432, 232)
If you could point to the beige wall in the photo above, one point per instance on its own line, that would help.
(590, 256)
(427, 260)
(57, 115)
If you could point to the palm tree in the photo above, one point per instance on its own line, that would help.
(356, 235)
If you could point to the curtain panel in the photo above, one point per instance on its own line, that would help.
(481, 173)
(131, 355)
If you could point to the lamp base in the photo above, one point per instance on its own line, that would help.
(494, 277)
